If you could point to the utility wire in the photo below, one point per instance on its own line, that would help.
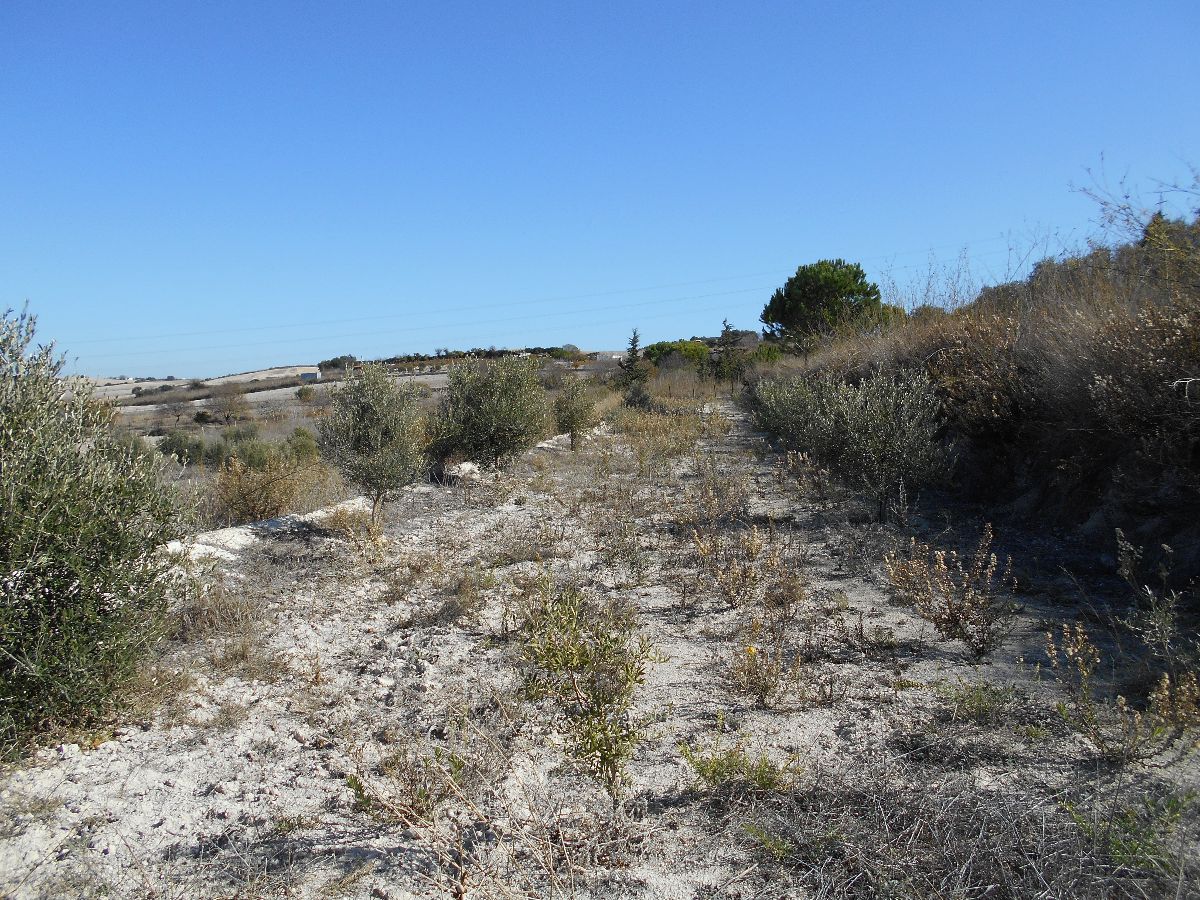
(440, 326)
(503, 304)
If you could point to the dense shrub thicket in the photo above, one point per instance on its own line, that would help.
(491, 411)
(880, 433)
(1073, 393)
(82, 582)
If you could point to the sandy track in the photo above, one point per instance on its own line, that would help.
(278, 768)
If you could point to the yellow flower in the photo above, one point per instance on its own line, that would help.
(751, 650)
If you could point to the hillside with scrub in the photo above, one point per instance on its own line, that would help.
(887, 601)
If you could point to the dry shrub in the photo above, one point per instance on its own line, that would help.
(1120, 732)
(959, 598)
(714, 424)
(513, 543)
(763, 667)
(1085, 383)
(245, 494)
(462, 601)
(739, 563)
(683, 384)
(716, 498)
(210, 605)
(249, 657)
(887, 828)
(417, 568)
(771, 660)
(656, 438)
(360, 530)
(1074, 386)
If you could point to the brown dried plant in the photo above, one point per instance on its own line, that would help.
(960, 598)
(1118, 731)
(739, 563)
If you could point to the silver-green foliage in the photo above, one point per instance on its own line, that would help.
(374, 434)
(574, 410)
(881, 433)
(83, 581)
(586, 654)
(492, 411)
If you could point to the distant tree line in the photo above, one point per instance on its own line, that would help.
(729, 356)
(442, 355)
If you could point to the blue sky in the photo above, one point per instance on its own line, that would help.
(201, 188)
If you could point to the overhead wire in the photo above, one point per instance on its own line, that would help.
(410, 329)
(440, 326)
(125, 339)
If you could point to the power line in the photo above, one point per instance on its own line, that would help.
(437, 327)
(125, 339)
(450, 310)
(594, 323)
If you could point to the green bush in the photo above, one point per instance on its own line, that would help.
(302, 445)
(187, 448)
(239, 434)
(574, 410)
(692, 353)
(254, 454)
(239, 441)
(82, 584)
(881, 434)
(375, 435)
(491, 411)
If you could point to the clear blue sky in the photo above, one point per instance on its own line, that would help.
(208, 187)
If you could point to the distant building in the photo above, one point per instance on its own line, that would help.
(311, 376)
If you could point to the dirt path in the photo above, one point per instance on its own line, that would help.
(347, 717)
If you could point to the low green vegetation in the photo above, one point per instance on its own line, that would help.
(585, 654)
(83, 589)
(240, 441)
(491, 411)
(735, 769)
(881, 433)
(375, 435)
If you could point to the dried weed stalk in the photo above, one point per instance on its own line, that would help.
(959, 598)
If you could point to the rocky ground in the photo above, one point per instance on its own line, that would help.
(348, 715)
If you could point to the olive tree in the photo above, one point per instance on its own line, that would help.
(374, 435)
(574, 410)
(492, 411)
(83, 579)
